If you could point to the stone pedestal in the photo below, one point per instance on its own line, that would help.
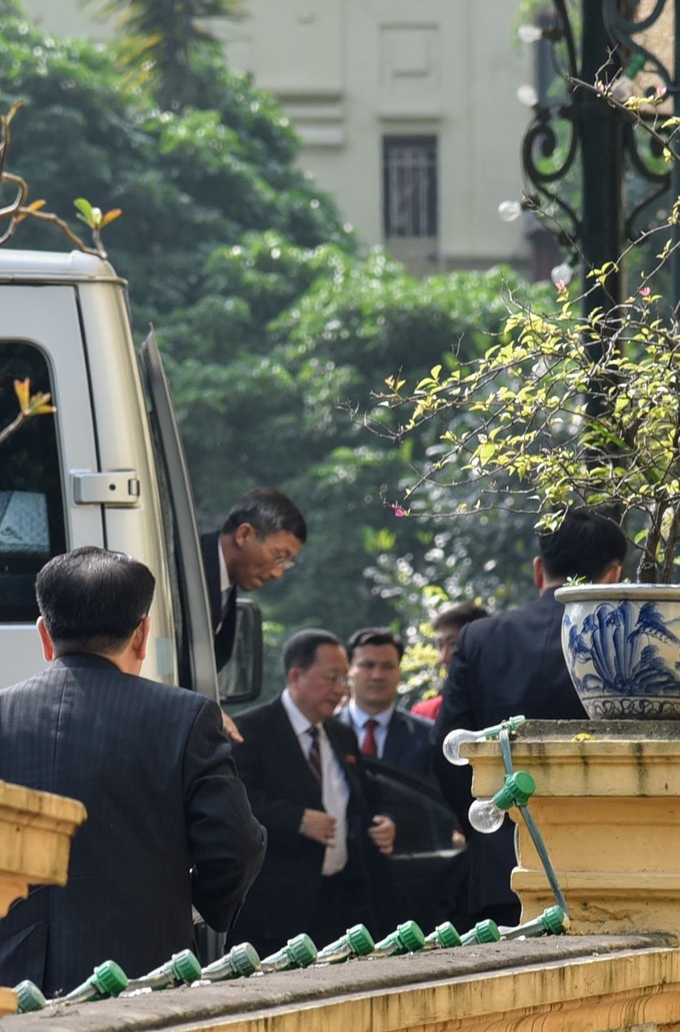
(608, 808)
(36, 829)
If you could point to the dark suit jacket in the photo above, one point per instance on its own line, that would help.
(407, 743)
(154, 770)
(503, 666)
(280, 787)
(223, 621)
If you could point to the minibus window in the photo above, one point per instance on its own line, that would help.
(31, 501)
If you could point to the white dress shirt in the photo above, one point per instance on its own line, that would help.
(358, 720)
(334, 787)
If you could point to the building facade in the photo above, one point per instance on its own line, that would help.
(407, 111)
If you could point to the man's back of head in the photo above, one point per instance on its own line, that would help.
(92, 600)
(588, 543)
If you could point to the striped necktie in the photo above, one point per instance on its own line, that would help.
(314, 754)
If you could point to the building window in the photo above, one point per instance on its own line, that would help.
(410, 186)
(31, 502)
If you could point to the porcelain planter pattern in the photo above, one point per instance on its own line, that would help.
(621, 644)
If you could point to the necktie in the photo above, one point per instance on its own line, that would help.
(369, 745)
(314, 755)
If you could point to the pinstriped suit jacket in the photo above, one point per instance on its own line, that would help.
(154, 769)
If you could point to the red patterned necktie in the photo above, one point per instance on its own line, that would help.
(314, 755)
(369, 746)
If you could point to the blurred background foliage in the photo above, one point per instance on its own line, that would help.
(276, 329)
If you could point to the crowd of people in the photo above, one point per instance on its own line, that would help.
(274, 825)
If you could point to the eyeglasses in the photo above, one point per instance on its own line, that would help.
(336, 679)
(282, 561)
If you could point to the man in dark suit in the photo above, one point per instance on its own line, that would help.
(512, 664)
(307, 785)
(391, 734)
(169, 823)
(258, 542)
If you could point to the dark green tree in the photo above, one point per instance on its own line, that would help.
(275, 331)
(157, 39)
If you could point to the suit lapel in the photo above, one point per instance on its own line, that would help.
(396, 741)
(288, 749)
(346, 760)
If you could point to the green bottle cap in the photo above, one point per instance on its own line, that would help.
(29, 997)
(109, 979)
(447, 936)
(411, 936)
(301, 950)
(185, 966)
(360, 939)
(244, 958)
(486, 931)
(555, 920)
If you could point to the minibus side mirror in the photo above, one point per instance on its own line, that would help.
(240, 680)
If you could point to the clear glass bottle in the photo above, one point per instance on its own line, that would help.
(182, 969)
(107, 979)
(239, 962)
(444, 936)
(408, 938)
(356, 942)
(298, 952)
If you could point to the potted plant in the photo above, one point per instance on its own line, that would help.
(567, 409)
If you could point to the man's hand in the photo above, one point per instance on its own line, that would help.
(230, 729)
(382, 834)
(320, 826)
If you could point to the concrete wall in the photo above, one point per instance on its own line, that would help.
(350, 72)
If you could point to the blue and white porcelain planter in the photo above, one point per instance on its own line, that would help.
(621, 643)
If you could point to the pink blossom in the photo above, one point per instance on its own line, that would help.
(560, 286)
(398, 511)
(660, 91)
(645, 291)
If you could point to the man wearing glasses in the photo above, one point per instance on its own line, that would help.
(306, 783)
(258, 542)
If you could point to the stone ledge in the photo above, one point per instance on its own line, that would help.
(395, 993)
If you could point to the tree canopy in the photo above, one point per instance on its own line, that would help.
(275, 329)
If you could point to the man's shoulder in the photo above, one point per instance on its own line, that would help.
(506, 620)
(343, 716)
(340, 729)
(262, 713)
(420, 725)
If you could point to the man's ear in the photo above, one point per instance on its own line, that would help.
(539, 572)
(47, 645)
(140, 639)
(243, 533)
(612, 574)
